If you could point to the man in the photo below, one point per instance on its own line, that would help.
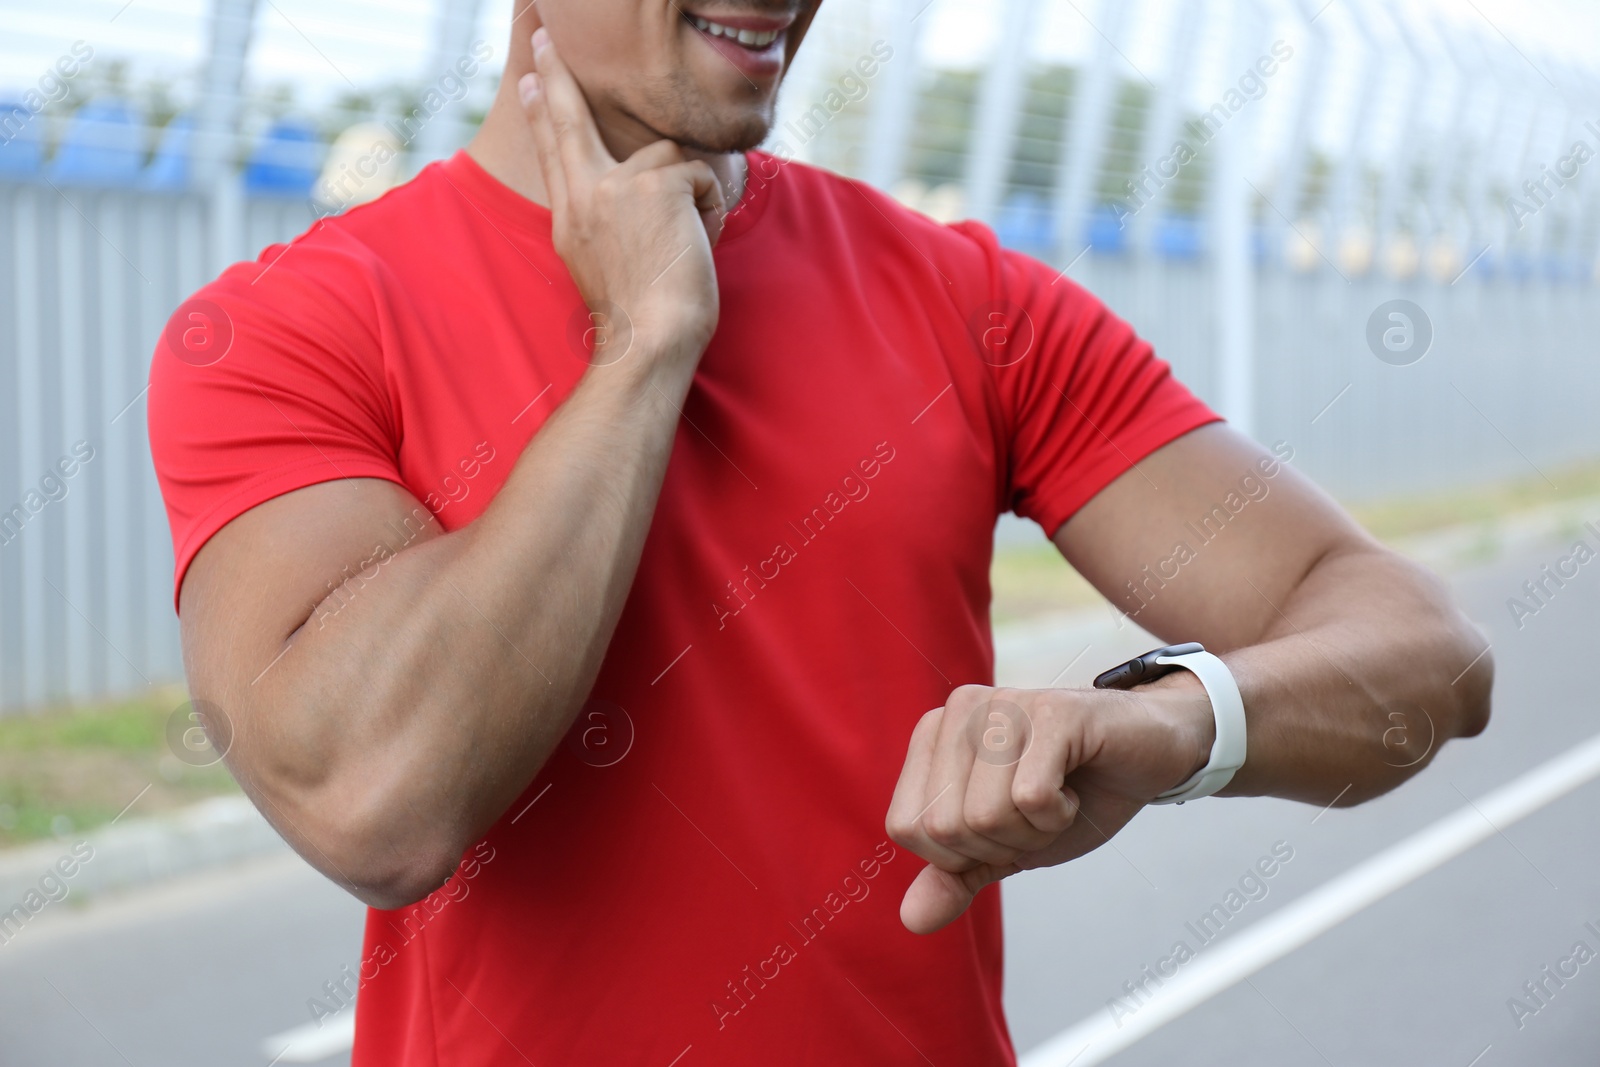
(575, 539)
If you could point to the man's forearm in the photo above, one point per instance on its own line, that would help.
(1361, 675)
(407, 726)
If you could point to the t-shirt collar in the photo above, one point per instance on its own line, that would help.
(504, 205)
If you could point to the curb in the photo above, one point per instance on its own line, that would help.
(138, 852)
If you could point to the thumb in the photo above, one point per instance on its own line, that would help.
(936, 898)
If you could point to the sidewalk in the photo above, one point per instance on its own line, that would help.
(128, 854)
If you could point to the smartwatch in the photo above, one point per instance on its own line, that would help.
(1227, 707)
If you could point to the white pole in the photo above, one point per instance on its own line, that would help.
(1162, 129)
(1395, 175)
(1344, 203)
(1290, 186)
(893, 111)
(217, 128)
(1479, 155)
(1230, 196)
(999, 111)
(452, 40)
(1084, 141)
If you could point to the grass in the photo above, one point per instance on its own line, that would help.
(1407, 516)
(1033, 579)
(66, 770)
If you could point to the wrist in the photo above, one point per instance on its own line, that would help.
(1180, 701)
(1177, 702)
(672, 351)
(650, 368)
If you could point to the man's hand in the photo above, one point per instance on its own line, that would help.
(1005, 780)
(637, 235)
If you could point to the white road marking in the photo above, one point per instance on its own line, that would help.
(312, 1043)
(1298, 923)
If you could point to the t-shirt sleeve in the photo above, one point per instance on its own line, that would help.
(1084, 397)
(267, 380)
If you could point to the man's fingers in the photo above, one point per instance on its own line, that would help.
(708, 199)
(1037, 790)
(909, 806)
(582, 152)
(936, 898)
(992, 812)
(907, 802)
(653, 156)
(698, 178)
(1053, 813)
(959, 756)
(530, 89)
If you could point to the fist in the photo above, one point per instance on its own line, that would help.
(1005, 780)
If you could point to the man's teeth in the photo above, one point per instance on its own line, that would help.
(748, 38)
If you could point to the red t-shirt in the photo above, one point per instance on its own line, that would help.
(701, 871)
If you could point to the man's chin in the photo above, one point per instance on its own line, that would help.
(723, 138)
(697, 120)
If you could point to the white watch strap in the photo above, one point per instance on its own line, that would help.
(1227, 708)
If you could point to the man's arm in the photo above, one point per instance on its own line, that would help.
(382, 730)
(1325, 629)
(1329, 634)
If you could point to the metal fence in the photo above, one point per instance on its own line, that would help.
(88, 278)
(1265, 267)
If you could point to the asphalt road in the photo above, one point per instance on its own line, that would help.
(1420, 978)
(199, 973)
(196, 973)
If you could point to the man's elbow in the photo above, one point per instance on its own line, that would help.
(1448, 656)
(389, 886)
(383, 862)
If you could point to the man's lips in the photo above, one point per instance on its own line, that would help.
(762, 24)
(754, 44)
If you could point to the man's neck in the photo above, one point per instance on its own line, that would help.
(504, 147)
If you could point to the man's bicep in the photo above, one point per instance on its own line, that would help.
(1206, 537)
(290, 561)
